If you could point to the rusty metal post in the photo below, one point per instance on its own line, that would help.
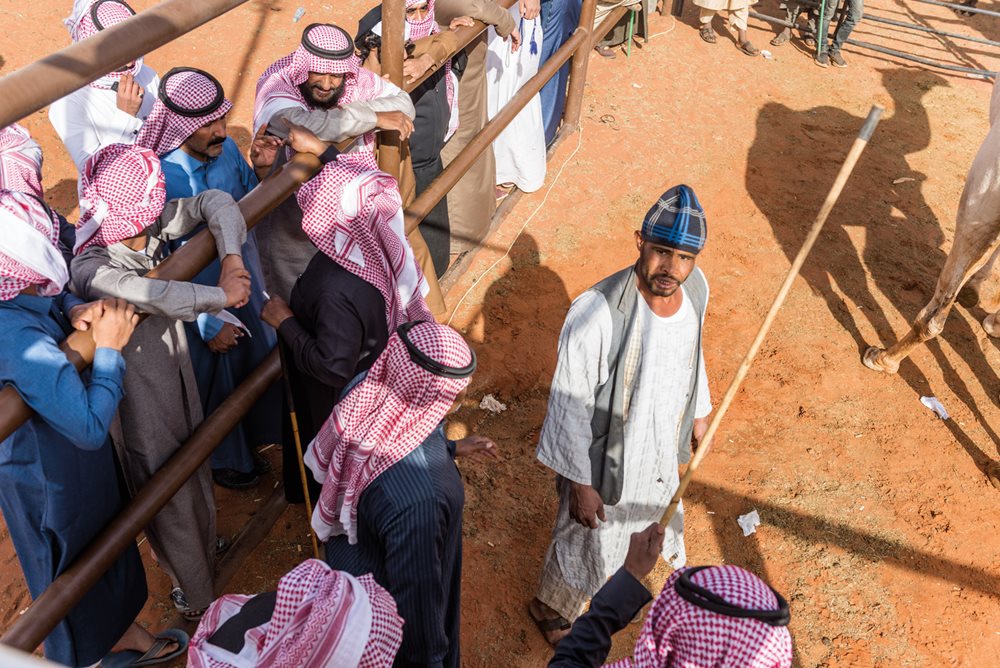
(447, 179)
(578, 73)
(393, 28)
(182, 265)
(30, 630)
(44, 81)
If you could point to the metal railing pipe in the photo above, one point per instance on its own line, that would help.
(393, 27)
(181, 265)
(960, 8)
(447, 179)
(884, 50)
(578, 73)
(44, 81)
(31, 629)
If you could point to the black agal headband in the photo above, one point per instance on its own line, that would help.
(703, 598)
(333, 54)
(94, 7)
(422, 360)
(216, 102)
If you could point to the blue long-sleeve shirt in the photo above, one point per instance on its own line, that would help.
(34, 365)
(410, 539)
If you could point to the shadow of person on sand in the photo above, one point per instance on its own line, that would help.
(889, 243)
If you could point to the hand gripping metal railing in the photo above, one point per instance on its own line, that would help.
(81, 63)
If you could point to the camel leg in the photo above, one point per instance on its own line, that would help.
(974, 244)
(980, 289)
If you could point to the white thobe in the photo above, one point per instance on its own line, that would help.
(88, 119)
(520, 148)
(660, 356)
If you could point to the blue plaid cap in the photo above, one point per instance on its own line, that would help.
(677, 220)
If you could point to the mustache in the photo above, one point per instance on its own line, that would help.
(216, 141)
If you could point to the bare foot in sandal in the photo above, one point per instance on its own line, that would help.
(605, 52)
(140, 648)
(782, 37)
(553, 627)
(707, 33)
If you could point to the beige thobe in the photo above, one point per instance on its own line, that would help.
(161, 407)
(472, 201)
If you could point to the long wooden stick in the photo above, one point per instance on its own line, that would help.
(741, 373)
(286, 379)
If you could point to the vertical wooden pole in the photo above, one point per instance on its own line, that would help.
(393, 27)
(578, 72)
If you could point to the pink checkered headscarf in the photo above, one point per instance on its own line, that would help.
(29, 247)
(680, 634)
(325, 49)
(188, 98)
(20, 161)
(89, 17)
(353, 213)
(322, 618)
(122, 192)
(382, 420)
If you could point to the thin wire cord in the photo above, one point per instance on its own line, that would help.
(670, 29)
(475, 283)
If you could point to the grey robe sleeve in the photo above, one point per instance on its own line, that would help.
(96, 277)
(218, 209)
(338, 124)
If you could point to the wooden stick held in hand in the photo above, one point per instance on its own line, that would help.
(741, 373)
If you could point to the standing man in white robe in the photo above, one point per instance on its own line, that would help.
(112, 109)
(629, 395)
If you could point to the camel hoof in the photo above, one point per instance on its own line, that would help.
(991, 326)
(874, 359)
(993, 474)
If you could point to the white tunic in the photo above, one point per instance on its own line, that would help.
(520, 148)
(659, 359)
(89, 119)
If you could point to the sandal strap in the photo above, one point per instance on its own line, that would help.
(160, 643)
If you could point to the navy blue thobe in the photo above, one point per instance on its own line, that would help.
(410, 539)
(58, 480)
(219, 374)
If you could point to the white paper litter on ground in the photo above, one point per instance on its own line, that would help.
(749, 522)
(492, 404)
(935, 405)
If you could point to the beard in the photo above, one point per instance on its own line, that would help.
(661, 284)
(330, 103)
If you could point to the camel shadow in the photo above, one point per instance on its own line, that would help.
(880, 242)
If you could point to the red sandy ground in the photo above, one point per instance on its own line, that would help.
(877, 522)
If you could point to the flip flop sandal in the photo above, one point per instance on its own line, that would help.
(133, 659)
(548, 625)
(749, 49)
(605, 52)
(707, 34)
(781, 38)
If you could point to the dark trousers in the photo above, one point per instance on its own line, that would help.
(853, 11)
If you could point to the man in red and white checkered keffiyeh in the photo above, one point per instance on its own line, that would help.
(322, 618)
(383, 419)
(88, 18)
(679, 634)
(29, 253)
(122, 192)
(20, 161)
(352, 212)
(188, 100)
(347, 110)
